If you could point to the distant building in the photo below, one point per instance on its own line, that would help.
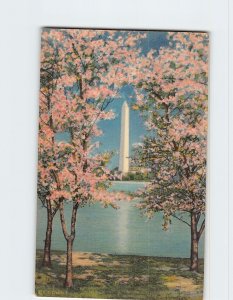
(124, 142)
(135, 169)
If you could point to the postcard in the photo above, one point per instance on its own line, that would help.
(122, 153)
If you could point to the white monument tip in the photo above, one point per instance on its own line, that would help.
(125, 104)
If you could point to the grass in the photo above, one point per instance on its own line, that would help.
(120, 277)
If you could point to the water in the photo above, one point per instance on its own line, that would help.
(122, 231)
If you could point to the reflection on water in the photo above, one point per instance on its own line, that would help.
(121, 231)
(122, 225)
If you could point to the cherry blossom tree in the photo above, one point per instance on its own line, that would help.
(50, 73)
(172, 96)
(94, 66)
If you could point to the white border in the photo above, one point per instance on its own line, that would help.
(19, 71)
(230, 85)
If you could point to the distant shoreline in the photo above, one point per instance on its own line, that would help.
(40, 250)
(126, 181)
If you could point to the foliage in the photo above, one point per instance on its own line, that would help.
(173, 99)
(137, 176)
(81, 72)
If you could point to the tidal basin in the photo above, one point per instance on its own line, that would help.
(121, 231)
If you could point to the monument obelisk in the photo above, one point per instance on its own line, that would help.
(124, 142)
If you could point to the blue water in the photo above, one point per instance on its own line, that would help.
(121, 231)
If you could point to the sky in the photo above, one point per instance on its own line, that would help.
(110, 140)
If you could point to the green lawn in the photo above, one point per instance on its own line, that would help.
(120, 277)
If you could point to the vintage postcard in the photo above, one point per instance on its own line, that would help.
(122, 152)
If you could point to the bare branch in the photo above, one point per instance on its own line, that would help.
(202, 228)
(63, 223)
(180, 219)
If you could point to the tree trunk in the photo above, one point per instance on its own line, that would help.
(69, 240)
(194, 243)
(69, 274)
(47, 245)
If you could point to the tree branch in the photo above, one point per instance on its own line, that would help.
(73, 220)
(180, 219)
(56, 207)
(63, 223)
(202, 228)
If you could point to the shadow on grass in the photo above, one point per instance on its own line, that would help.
(120, 277)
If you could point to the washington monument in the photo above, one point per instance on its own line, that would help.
(124, 142)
